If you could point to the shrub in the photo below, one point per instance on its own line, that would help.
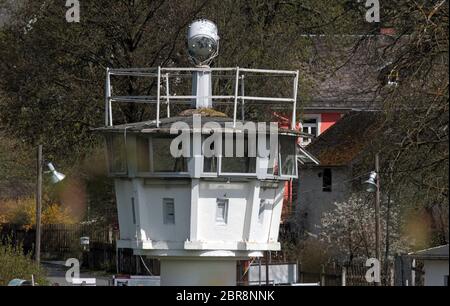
(23, 212)
(14, 264)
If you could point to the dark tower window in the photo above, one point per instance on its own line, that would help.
(326, 180)
(117, 154)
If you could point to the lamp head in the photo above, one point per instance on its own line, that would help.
(56, 176)
(371, 184)
(203, 42)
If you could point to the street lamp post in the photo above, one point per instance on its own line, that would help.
(38, 205)
(373, 185)
(56, 178)
(377, 211)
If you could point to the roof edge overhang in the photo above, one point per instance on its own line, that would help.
(309, 158)
(204, 131)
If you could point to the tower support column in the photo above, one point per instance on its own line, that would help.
(198, 272)
(202, 89)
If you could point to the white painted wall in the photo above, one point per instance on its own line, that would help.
(243, 212)
(435, 271)
(124, 192)
(195, 201)
(272, 214)
(195, 204)
(151, 195)
(209, 229)
(313, 202)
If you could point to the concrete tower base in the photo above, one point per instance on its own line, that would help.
(192, 272)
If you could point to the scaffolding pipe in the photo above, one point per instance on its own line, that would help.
(294, 111)
(236, 93)
(158, 89)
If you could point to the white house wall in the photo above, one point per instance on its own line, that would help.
(435, 272)
(313, 202)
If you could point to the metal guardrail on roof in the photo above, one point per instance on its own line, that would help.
(164, 74)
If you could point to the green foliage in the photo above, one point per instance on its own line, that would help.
(52, 78)
(413, 139)
(14, 264)
(52, 72)
(16, 160)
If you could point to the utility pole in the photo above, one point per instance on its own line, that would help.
(377, 212)
(38, 205)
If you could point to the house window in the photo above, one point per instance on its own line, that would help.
(169, 211)
(222, 211)
(310, 126)
(326, 180)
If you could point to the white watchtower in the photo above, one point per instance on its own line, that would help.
(198, 214)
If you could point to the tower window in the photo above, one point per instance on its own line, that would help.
(163, 161)
(222, 211)
(117, 154)
(143, 153)
(288, 158)
(234, 164)
(262, 207)
(133, 210)
(169, 211)
(326, 180)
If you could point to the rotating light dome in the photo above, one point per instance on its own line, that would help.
(203, 42)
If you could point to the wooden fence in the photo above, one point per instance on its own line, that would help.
(62, 241)
(345, 274)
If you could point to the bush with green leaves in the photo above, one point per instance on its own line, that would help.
(14, 264)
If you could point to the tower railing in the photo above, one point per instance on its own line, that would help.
(163, 75)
